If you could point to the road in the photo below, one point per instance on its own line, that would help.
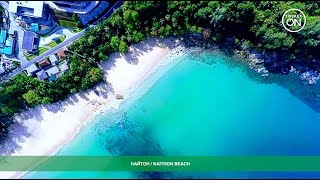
(55, 49)
(65, 42)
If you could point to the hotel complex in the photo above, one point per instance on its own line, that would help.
(29, 29)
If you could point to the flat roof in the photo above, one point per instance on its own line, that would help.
(32, 68)
(53, 71)
(64, 66)
(3, 36)
(11, 31)
(28, 40)
(42, 75)
(53, 58)
(36, 6)
(9, 42)
(8, 49)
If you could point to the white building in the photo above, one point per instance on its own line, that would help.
(64, 66)
(78, 7)
(53, 71)
(53, 59)
(26, 8)
(32, 69)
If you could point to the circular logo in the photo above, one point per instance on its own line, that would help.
(294, 20)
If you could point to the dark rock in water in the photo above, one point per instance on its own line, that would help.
(118, 96)
(278, 67)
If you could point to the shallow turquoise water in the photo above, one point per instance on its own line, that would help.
(205, 105)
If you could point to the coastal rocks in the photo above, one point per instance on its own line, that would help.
(118, 96)
(261, 62)
(310, 77)
(254, 61)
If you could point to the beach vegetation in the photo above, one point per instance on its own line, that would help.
(255, 25)
(24, 91)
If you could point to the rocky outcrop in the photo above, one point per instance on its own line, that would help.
(262, 63)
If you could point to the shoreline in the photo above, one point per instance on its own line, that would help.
(123, 74)
(262, 63)
(57, 124)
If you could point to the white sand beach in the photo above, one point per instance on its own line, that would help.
(45, 129)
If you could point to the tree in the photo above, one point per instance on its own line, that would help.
(32, 98)
(123, 47)
(115, 43)
(206, 33)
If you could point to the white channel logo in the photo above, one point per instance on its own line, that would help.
(294, 20)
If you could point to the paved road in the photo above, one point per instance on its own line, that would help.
(56, 48)
(65, 42)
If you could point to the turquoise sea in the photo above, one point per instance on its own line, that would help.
(206, 104)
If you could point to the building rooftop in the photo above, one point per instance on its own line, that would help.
(64, 66)
(44, 63)
(42, 75)
(53, 58)
(31, 69)
(7, 50)
(9, 42)
(26, 8)
(11, 32)
(3, 36)
(61, 54)
(78, 4)
(28, 40)
(53, 71)
(6, 44)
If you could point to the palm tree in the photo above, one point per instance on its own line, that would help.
(106, 29)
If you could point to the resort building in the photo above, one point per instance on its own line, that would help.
(26, 8)
(7, 43)
(28, 43)
(78, 7)
(32, 15)
(72, 4)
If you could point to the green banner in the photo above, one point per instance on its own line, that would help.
(161, 163)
